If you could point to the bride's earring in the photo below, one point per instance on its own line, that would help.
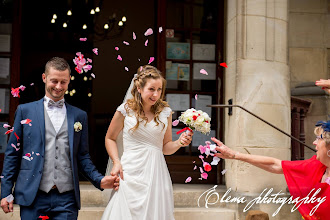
(328, 153)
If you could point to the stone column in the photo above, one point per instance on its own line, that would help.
(258, 79)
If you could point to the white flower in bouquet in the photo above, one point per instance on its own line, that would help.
(196, 120)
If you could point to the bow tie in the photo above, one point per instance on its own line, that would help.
(58, 104)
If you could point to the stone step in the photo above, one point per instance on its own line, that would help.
(185, 195)
(87, 213)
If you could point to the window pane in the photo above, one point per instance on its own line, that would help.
(4, 100)
(178, 14)
(4, 71)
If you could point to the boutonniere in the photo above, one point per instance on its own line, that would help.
(77, 126)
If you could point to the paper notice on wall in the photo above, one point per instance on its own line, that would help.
(178, 102)
(4, 43)
(202, 102)
(199, 138)
(204, 52)
(4, 68)
(210, 68)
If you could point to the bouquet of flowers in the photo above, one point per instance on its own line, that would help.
(196, 120)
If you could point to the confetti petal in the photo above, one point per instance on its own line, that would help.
(215, 161)
(151, 59)
(204, 175)
(43, 217)
(196, 97)
(10, 198)
(202, 149)
(26, 121)
(134, 36)
(119, 58)
(9, 131)
(22, 88)
(89, 60)
(83, 39)
(26, 158)
(195, 167)
(31, 84)
(148, 32)
(224, 65)
(15, 92)
(201, 170)
(96, 51)
(160, 29)
(37, 154)
(6, 126)
(207, 167)
(188, 180)
(223, 172)
(175, 122)
(16, 148)
(146, 43)
(126, 68)
(93, 75)
(117, 48)
(202, 71)
(126, 43)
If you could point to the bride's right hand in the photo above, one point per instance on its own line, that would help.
(117, 169)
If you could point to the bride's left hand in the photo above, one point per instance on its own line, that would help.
(185, 138)
(117, 169)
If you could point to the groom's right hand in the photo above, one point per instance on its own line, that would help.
(7, 206)
(109, 182)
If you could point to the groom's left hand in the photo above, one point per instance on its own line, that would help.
(109, 182)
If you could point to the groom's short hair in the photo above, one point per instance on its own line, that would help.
(57, 63)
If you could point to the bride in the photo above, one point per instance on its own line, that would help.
(145, 121)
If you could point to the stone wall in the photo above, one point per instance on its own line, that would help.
(309, 43)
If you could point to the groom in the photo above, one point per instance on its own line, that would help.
(44, 155)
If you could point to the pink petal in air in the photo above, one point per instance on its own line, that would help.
(119, 58)
(196, 97)
(89, 60)
(202, 71)
(31, 84)
(6, 126)
(204, 175)
(126, 68)
(151, 59)
(146, 43)
(201, 170)
(96, 51)
(83, 39)
(202, 149)
(116, 48)
(188, 179)
(160, 29)
(126, 43)
(93, 75)
(223, 172)
(134, 36)
(26, 121)
(175, 122)
(148, 32)
(22, 87)
(195, 167)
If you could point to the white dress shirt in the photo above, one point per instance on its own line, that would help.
(56, 115)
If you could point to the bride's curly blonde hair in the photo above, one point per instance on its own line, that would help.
(143, 74)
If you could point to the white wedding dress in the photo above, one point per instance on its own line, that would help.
(146, 192)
